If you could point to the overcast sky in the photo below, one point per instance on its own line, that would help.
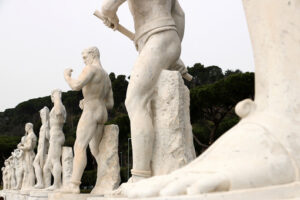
(40, 38)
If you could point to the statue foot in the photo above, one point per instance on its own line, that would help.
(260, 151)
(70, 188)
(52, 188)
(39, 186)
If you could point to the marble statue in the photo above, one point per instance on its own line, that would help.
(6, 181)
(19, 167)
(28, 148)
(42, 149)
(262, 150)
(12, 172)
(162, 31)
(3, 178)
(53, 165)
(98, 97)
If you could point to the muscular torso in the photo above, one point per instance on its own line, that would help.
(147, 11)
(56, 125)
(95, 93)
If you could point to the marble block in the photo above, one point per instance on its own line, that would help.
(108, 173)
(68, 196)
(67, 164)
(38, 195)
(173, 145)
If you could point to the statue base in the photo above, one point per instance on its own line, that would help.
(282, 192)
(68, 196)
(39, 195)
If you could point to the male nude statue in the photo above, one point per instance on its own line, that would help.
(159, 26)
(57, 138)
(28, 149)
(19, 166)
(98, 97)
(42, 149)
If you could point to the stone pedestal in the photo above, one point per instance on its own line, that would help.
(173, 146)
(38, 195)
(65, 196)
(67, 164)
(108, 172)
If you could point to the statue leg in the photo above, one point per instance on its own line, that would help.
(161, 51)
(57, 168)
(38, 172)
(86, 129)
(94, 147)
(47, 171)
(262, 149)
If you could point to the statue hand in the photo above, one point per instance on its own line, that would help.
(81, 104)
(111, 22)
(68, 72)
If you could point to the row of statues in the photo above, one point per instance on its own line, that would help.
(24, 168)
(260, 151)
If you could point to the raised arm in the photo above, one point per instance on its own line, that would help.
(109, 11)
(83, 79)
(110, 7)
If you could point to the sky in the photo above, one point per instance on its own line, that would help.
(40, 38)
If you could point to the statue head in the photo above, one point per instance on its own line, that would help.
(55, 94)
(90, 54)
(28, 127)
(44, 113)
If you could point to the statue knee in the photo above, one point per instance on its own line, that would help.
(79, 147)
(136, 103)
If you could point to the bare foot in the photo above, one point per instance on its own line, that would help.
(70, 188)
(52, 188)
(260, 151)
(39, 186)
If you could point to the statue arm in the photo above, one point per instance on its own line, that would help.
(83, 79)
(110, 7)
(110, 100)
(179, 18)
(27, 145)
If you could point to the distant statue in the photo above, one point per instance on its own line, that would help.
(28, 149)
(42, 149)
(3, 178)
(58, 116)
(12, 161)
(19, 167)
(159, 28)
(98, 97)
(6, 179)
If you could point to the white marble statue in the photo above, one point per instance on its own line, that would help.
(98, 97)
(6, 181)
(162, 31)
(3, 178)
(53, 165)
(262, 151)
(42, 149)
(12, 172)
(28, 149)
(19, 167)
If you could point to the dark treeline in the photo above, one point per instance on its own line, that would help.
(213, 93)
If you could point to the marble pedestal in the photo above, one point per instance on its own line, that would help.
(38, 195)
(13, 195)
(66, 196)
(283, 192)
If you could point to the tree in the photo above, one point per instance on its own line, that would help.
(214, 101)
